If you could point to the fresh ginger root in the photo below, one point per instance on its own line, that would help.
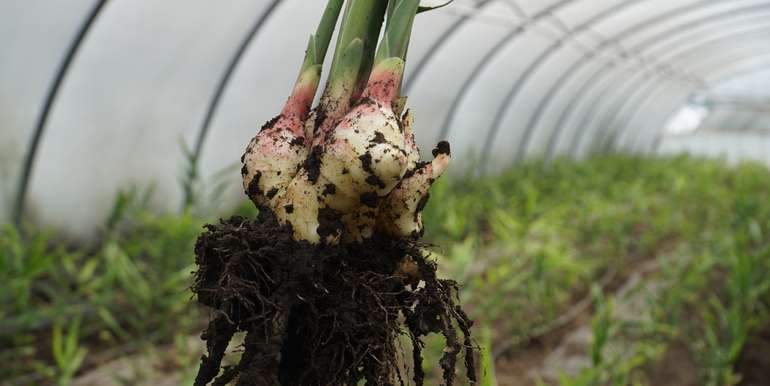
(350, 167)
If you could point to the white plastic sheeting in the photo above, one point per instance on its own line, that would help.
(737, 124)
(732, 147)
(527, 78)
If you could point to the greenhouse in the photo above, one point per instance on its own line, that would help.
(604, 218)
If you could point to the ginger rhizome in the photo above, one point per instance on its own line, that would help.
(350, 166)
(330, 280)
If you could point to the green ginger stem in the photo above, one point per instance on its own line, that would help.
(309, 76)
(398, 30)
(319, 42)
(353, 56)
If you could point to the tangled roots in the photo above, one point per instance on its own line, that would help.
(318, 314)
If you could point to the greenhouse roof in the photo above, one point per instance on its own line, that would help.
(98, 96)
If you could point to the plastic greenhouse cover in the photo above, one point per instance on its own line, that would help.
(139, 85)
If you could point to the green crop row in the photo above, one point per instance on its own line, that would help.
(540, 249)
(530, 244)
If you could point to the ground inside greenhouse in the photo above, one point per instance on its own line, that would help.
(562, 351)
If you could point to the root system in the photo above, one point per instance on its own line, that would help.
(321, 314)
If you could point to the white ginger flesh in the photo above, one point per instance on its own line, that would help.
(270, 161)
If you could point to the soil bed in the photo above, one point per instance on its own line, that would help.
(754, 362)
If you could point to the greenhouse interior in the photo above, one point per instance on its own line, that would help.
(604, 218)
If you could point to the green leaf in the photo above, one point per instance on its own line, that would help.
(73, 333)
(398, 31)
(426, 8)
(87, 272)
(109, 319)
(321, 39)
(56, 345)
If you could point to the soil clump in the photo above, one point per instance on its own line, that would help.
(322, 314)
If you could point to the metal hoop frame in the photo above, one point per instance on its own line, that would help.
(607, 74)
(639, 93)
(50, 98)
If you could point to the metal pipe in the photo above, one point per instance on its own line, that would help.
(666, 96)
(224, 81)
(722, 64)
(471, 80)
(50, 98)
(496, 49)
(637, 136)
(582, 62)
(436, 46)
(578, 96)
(631, 90)
(763, 66)
(541, 107)
(650, 87)
(531, 69)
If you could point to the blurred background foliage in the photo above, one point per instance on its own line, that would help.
(662, 264)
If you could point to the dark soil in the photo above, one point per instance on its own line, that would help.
(320, 314)
(754, 362)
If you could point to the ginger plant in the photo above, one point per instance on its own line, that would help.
(351, 166)
(332, 273)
